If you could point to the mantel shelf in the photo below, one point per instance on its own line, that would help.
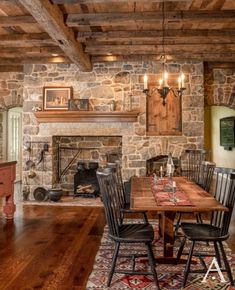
(85, 116)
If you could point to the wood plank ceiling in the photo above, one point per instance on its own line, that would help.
(83, 31)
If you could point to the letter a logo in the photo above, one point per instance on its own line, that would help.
(216, 269)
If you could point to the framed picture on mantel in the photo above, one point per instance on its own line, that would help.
(56, 98)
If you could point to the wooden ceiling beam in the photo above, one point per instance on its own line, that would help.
(223, 65)
(173, 57)
(11, 68)
(157, 49)
(26, 40)
(109, 1)
(30, 51)
(33, 60)
(170, 35)
(127, 18)
(6, 21)
(25, 36)
(51, 19)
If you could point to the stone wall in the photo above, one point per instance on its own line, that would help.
(122, 84)
(11, 90)
(220, 87)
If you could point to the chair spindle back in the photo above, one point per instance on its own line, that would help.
(224, 192)
(194, 160)
(206, 172)
(108, 189)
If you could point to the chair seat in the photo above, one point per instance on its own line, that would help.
(201, 232)
(135, 233)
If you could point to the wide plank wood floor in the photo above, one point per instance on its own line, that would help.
(49, 247)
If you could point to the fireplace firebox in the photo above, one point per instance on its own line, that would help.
(85, 180)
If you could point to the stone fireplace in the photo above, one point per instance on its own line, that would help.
(68, 151)
(108, 83)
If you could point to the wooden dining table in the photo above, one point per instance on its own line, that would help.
(143, 197)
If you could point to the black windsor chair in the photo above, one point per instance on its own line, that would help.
(217, 230)
(205, 176)
(124, 233)
(124, 204)
(191, 161)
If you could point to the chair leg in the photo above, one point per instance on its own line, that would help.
(217, 253)
(180, 250)
(187, 267)
(227, 267)
(199, 218)
(114, 260)
(152, 264)
(145, 218)
(177, 224)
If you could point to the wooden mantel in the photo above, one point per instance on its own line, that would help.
(85, 116)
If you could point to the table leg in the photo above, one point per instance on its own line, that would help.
(9, 207)
(168, 233)
(166, 228)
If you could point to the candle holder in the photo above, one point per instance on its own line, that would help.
(164, 91)
(173, 198)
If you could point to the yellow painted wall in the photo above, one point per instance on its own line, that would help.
(221, 157)
(207, 129)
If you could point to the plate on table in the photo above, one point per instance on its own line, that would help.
(40, 194)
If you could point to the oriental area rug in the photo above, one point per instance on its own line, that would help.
(169, 276)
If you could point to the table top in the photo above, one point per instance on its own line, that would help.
(142, 197)
(4, 162)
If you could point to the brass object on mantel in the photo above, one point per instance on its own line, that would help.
(85, 116)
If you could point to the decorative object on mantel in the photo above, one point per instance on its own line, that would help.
(78, 104)
(163, 89)
(113, 106)
(36, 108)
(56, 98)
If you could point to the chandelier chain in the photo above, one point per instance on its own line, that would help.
(163, 30)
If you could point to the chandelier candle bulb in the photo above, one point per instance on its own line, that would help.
(145, 82)
(182, 80)
(165, 77)
(160, 84)
(174, 184)
(179, 83)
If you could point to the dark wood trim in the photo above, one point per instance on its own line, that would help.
(85, 116)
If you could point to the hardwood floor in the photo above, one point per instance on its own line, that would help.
(49, 247)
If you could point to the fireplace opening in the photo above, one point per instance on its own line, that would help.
(76, 159)
(85, 180)
(154, 164)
